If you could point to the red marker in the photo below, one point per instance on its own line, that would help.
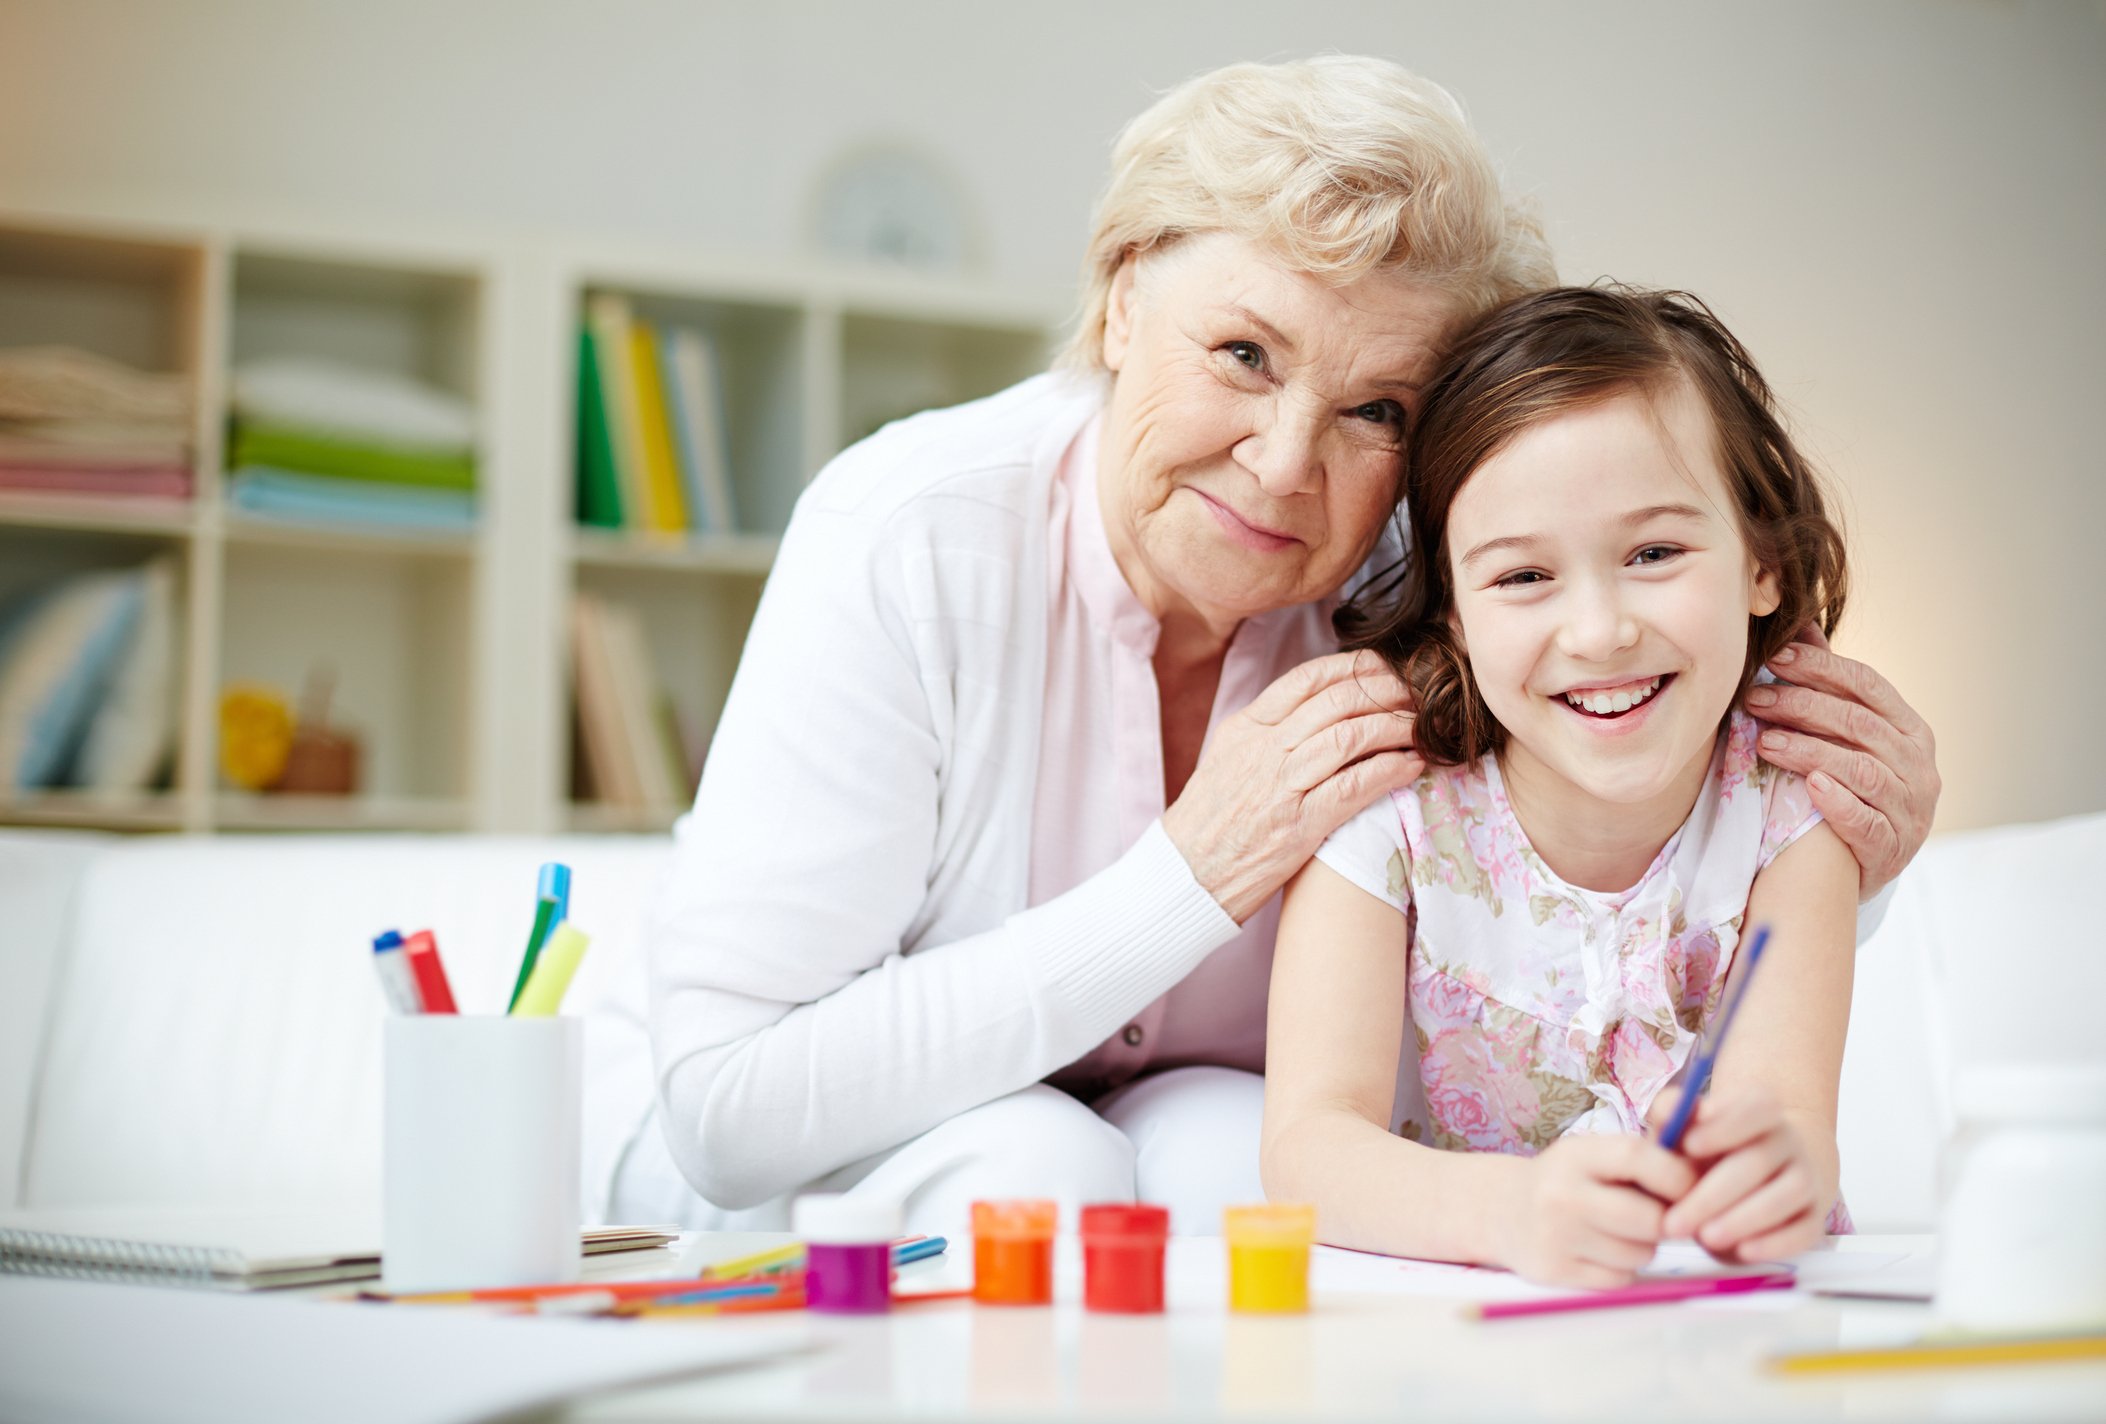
(423, 952)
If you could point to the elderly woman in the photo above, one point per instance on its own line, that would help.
(1041, 706)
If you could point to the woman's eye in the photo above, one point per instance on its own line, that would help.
(1249, 353)
(1381, 412)
(1655, 554)
(1519, 580)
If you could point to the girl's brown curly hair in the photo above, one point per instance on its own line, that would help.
(1542, 356)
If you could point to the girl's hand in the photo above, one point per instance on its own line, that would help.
(1589, 1210)
(1761, 1195)
(1307, 754)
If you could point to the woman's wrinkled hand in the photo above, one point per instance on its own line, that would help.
(1589, 1210)
(1870, 761)
(1307, 754)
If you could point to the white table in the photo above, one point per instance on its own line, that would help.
(1355, 1356)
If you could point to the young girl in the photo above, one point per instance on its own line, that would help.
(1611, 534)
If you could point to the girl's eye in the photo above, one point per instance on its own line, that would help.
(1381, 412)
(1249, 353)
(1519, 580)
(1655, 554)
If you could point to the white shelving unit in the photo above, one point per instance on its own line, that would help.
(450, 654)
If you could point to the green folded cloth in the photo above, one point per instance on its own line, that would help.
(291, 449)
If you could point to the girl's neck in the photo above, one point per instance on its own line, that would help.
(1586, 841)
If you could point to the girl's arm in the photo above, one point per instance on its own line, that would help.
(1765, 1134)
(1587, 1212)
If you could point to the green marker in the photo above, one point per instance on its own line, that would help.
(545, 915)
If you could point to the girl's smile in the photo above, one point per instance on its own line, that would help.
(1603, 592)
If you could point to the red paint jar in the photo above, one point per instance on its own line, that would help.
(1013, 1252)
(1122, 1258)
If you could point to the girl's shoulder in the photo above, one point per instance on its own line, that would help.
(1776, 799)
(1383, 850)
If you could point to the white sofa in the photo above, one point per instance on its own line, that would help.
(195, 1021)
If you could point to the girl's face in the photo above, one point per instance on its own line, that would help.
(1603, 591)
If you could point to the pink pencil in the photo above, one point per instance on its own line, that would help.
(1643, 1293)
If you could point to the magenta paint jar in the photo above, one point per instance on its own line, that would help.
(847, 1252)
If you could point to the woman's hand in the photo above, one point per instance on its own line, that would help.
(1589, 1210)
(1762, 1196)
(1871, 763)
(1308, 753)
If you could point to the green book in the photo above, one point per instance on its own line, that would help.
(599, 491)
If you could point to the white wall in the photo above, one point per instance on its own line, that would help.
(1900, 207)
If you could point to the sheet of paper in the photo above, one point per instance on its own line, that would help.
(183, 1356)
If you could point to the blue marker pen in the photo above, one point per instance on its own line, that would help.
(1699, 1077)
(555, 885)
(397, 981)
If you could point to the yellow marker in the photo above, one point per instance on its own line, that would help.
(545, 987)
(1268, 1249)
(1929, 1354)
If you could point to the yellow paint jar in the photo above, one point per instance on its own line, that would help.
(1268, 1249)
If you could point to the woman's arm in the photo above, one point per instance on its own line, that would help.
(790, 1034)
(1765, 1134)
(1587, 1212)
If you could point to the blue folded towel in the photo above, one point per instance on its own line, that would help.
(287, 494)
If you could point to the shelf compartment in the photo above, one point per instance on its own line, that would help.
(134, 300)
(760, 364)
(394, 628)
(893, 366)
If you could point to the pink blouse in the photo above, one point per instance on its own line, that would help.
(1100, 777)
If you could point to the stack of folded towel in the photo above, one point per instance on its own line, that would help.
(72, 422)
(322, 442)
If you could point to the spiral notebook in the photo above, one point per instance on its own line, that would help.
(222, 1250)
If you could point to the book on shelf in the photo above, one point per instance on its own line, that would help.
(700, 399)
(652, 454)
(599, 482)
(632, 759)
(607, 314)
(664, 505)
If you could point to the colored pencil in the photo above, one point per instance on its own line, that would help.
(1943, 1354)
(1643, 1293)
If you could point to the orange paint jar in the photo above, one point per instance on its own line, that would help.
(1013, 1252)
(1268, 1248)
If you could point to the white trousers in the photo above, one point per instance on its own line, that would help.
(1186, 1139)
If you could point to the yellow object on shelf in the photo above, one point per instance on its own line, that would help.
(255, 735)
(1268, 1250)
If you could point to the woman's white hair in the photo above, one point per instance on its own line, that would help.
(1342, 165)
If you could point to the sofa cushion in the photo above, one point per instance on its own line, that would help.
(215, 1032)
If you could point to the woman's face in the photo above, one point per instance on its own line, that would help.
(1252, 445)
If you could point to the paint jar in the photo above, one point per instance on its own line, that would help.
(1122, 1258)
(1268, 1249)
(2022, 1234)
(847, 1252)
(1013, 1252)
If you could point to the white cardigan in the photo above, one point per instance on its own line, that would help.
(840, 953)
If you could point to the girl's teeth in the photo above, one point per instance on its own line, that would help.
(1607, 704)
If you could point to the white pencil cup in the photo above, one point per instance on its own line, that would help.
(480, 1166)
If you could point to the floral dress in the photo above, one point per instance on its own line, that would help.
(1540, 1008)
